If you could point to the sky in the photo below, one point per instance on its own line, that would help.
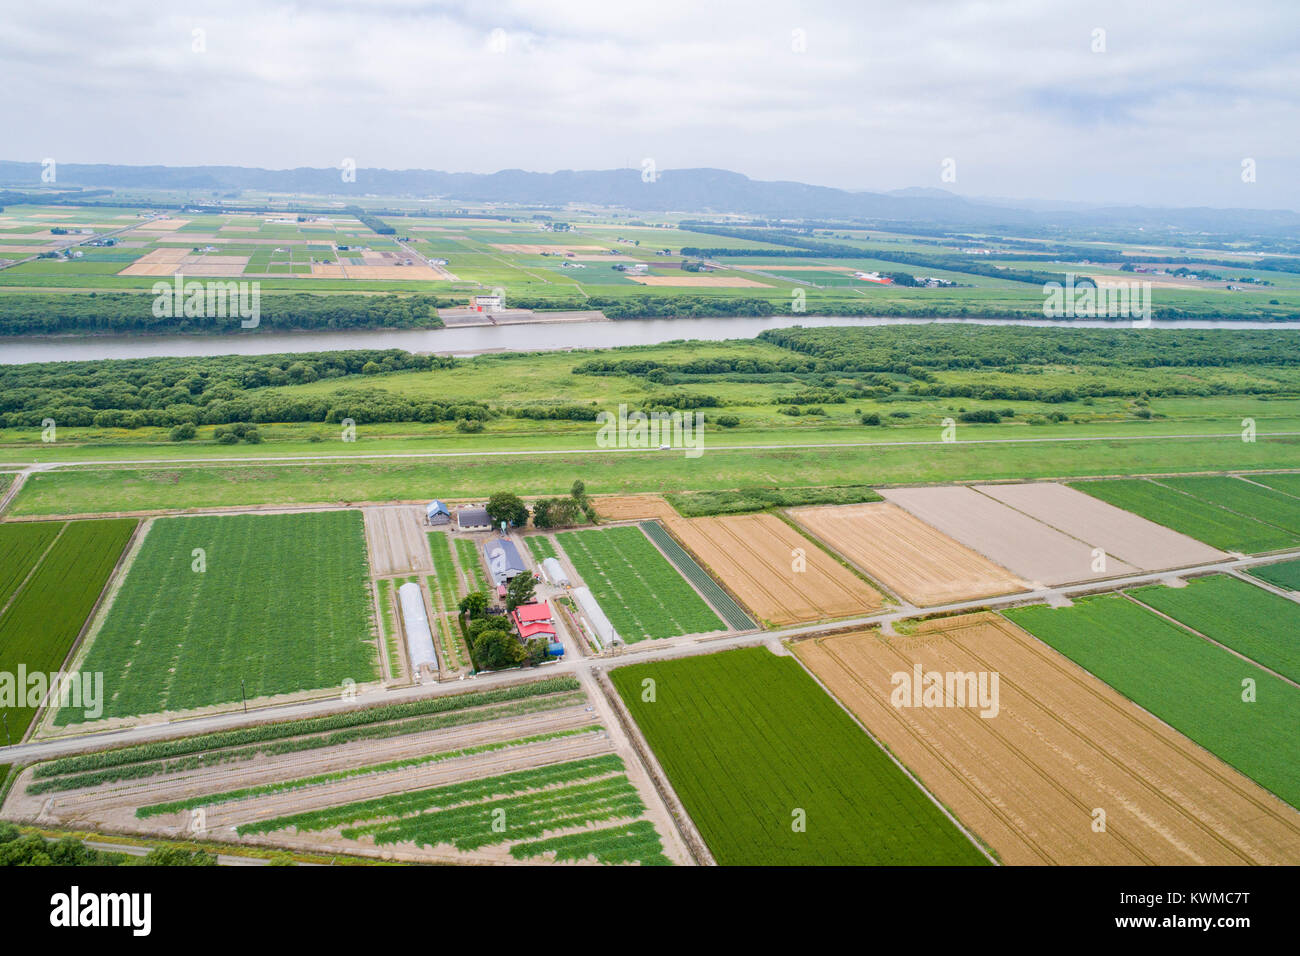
(1151, 102)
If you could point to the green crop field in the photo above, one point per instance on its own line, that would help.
(541, 547)
(1195, 517)
(749, 740)
(46, 614)
(21, 547)
(1254, 622)
(471, 565)
(1244, 498)
(642, 594)
(281, 605)
(730, 611)
(1284, 574)
(1287, 483)
(1184, 680)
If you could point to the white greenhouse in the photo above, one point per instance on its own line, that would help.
(415, 624)
(555, 573)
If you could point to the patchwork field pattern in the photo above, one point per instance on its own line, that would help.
(1036, 552)
(49, 604)
(756, 557)
(748, 740)
(1192, 685)
(1027, 779)
(1197, 517)
(1134, 540)
(917, 562)
(1252, 621)
(643, 595)
(281, 605)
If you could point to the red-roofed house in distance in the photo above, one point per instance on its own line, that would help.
(534, 620)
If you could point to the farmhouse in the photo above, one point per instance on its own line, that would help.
(503, 560)
(437, 513)
(534, 620)
(473, 519)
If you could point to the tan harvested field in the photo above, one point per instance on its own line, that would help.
(710, 282)
(163, 225)
(158, 262)
(917, 562)
(1121, 534)
(633, 508)
(532, 249)
(1061, 745)
(1037, 552)
(395, 538)
(755, 557)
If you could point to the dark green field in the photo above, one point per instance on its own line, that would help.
(1284, 574)
(1184, 680)
(749, 740)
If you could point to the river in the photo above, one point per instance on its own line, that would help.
(475, 340)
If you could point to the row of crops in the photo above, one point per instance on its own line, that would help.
(517, 808)
(643, 595)
(59, 571)
(467, 556)
(722, 602)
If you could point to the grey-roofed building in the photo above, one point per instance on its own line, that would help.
(437, 513)
(503, 560)
(473, 519)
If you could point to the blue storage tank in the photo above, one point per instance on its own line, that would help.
(555, 650)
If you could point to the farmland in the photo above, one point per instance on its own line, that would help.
(915, 561)
(1201, 519)
(278, 604)
(775, 571)
(644, 596)
(425, 773)
(748, 741)
(1253, 622)
(1028, 777)
(46, 614)
(729, 610)
(1184, 680)
(1284, 574)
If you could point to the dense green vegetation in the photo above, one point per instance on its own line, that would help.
(1244, 498)
(21, 547)
(642, 594)
(1197, 517)
(696, 504)
(45, 617)
(635, 843)
(52, 313)
(1253, 622)
(217, 608)
(1284, 574)
(32, 849)
(1195, 687)
(753, 745)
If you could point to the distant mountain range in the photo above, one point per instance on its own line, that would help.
(695, 191)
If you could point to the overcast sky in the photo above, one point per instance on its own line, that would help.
(860, 95)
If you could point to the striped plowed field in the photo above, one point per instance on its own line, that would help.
(1062, 745)
(755, 557)
(395, 538)
(917, 562)
(633, 508)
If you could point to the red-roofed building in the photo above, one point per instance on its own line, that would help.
(534, 620)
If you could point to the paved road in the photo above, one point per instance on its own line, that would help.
(648, 651)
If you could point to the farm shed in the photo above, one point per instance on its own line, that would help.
(473, 519)
(590, 609)
(415, 624)
(555, 573)
(503, 560)
(437, 513)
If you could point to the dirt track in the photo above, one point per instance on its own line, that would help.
(917, 562)
(754, 556)
(395, 538)
(1062, 744)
